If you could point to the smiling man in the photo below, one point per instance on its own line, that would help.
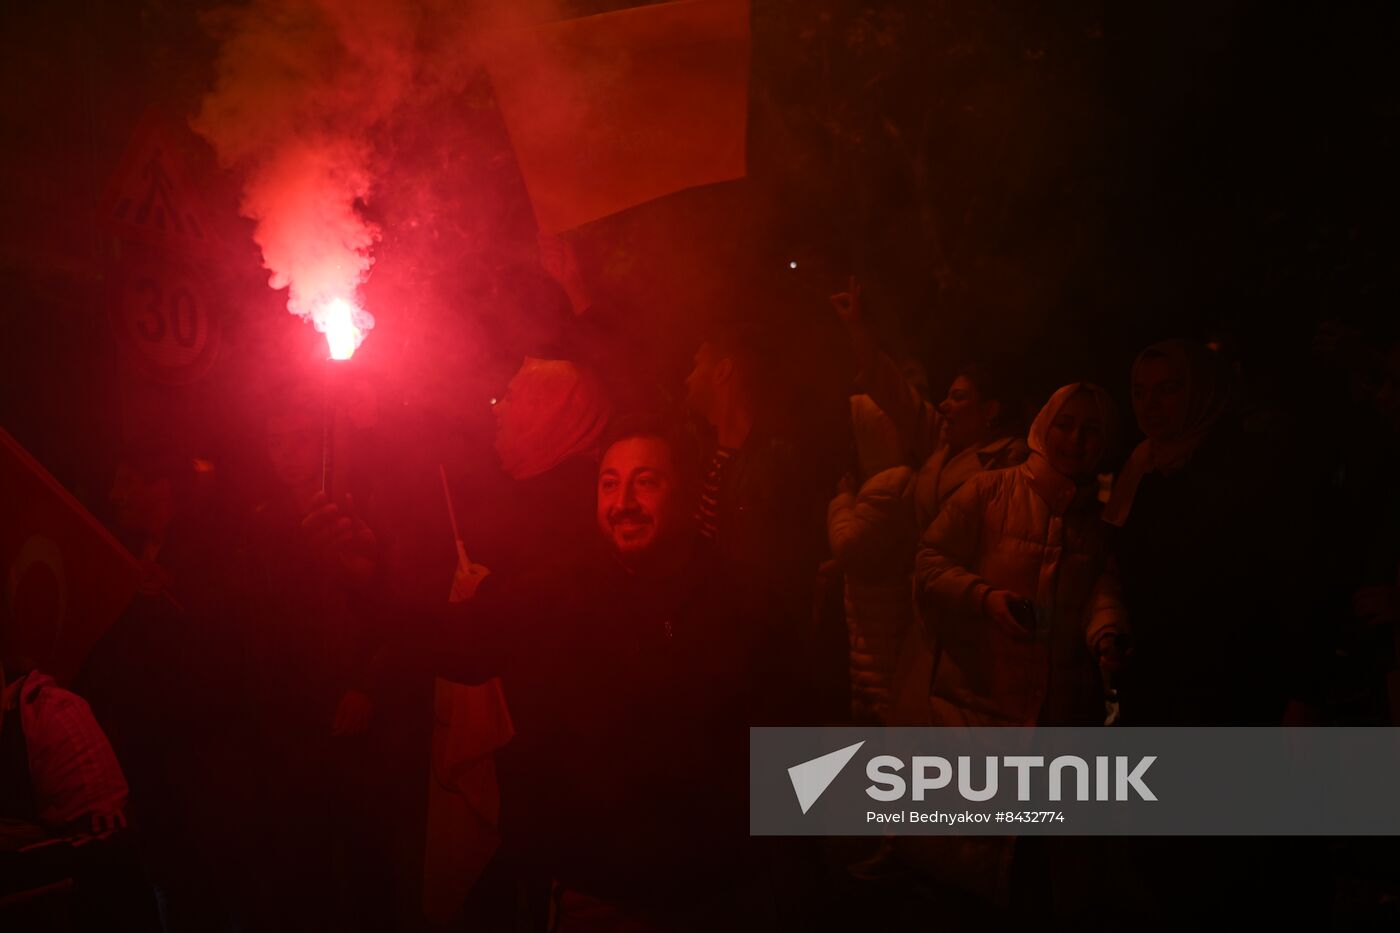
(644, 491)
(631, 679)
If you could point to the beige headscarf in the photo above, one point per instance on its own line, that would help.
(556, 411)
(1055, 487)
(1207, 398)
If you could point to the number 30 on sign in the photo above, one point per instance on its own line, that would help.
(165, 321)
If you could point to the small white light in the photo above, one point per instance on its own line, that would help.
(793, 264)
(493, 401)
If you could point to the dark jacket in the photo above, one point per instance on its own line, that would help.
(772, 517)
(631, 700)
(311, 635)
(772, 525)
(1211, 586)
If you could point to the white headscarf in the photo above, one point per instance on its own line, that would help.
(1055, 487)
(556, 411)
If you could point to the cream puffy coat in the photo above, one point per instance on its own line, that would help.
(1029, 530)
(872, 536)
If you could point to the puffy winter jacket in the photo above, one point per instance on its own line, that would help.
(872, 537)
(1029, 530)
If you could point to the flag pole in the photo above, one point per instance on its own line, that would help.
(327, 428)
(452, 515)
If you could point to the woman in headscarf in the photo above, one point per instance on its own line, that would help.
(1014, 581)
(1015, 571)
(548, 424)
(1197, 540)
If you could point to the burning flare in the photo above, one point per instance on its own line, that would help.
(344, 324)
(305, 95)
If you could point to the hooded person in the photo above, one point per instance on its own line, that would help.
(1015, 581)
(551, 413)
(1015, 569)
(549, 422)
(871, 533)
(548, 425)
(62, 791)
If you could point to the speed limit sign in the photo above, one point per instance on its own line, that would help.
(164, 317)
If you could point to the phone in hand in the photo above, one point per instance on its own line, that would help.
(1023, 611)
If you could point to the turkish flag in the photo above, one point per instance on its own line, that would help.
(606, 112)
(66, 579)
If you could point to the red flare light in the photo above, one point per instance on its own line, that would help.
(344, 325)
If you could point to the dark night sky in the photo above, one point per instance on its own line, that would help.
(1061, 181)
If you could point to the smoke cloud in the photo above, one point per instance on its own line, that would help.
(305, 90)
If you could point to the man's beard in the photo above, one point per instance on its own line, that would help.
(630, 518)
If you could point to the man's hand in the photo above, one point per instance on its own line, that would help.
(848, 309)
(336, 533)
(847, 304)
(352, 715)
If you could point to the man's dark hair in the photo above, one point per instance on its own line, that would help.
(752, 349)
(679, 436)
(995, 381)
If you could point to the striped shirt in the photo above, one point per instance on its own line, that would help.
(707, 515)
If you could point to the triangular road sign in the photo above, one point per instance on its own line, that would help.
(147, 199)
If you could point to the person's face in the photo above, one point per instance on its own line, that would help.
(639, 500)
(967, 416)
(1075, 442)
(294, 447)
(1159, 398)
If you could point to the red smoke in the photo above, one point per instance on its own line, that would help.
(304, 90)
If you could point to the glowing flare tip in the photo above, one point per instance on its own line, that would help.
(344, 325)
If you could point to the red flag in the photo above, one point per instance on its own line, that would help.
(609, 111)
(66, 578)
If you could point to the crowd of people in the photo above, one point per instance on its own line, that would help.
(648, 584)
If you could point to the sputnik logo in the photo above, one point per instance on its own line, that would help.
(811, 778)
